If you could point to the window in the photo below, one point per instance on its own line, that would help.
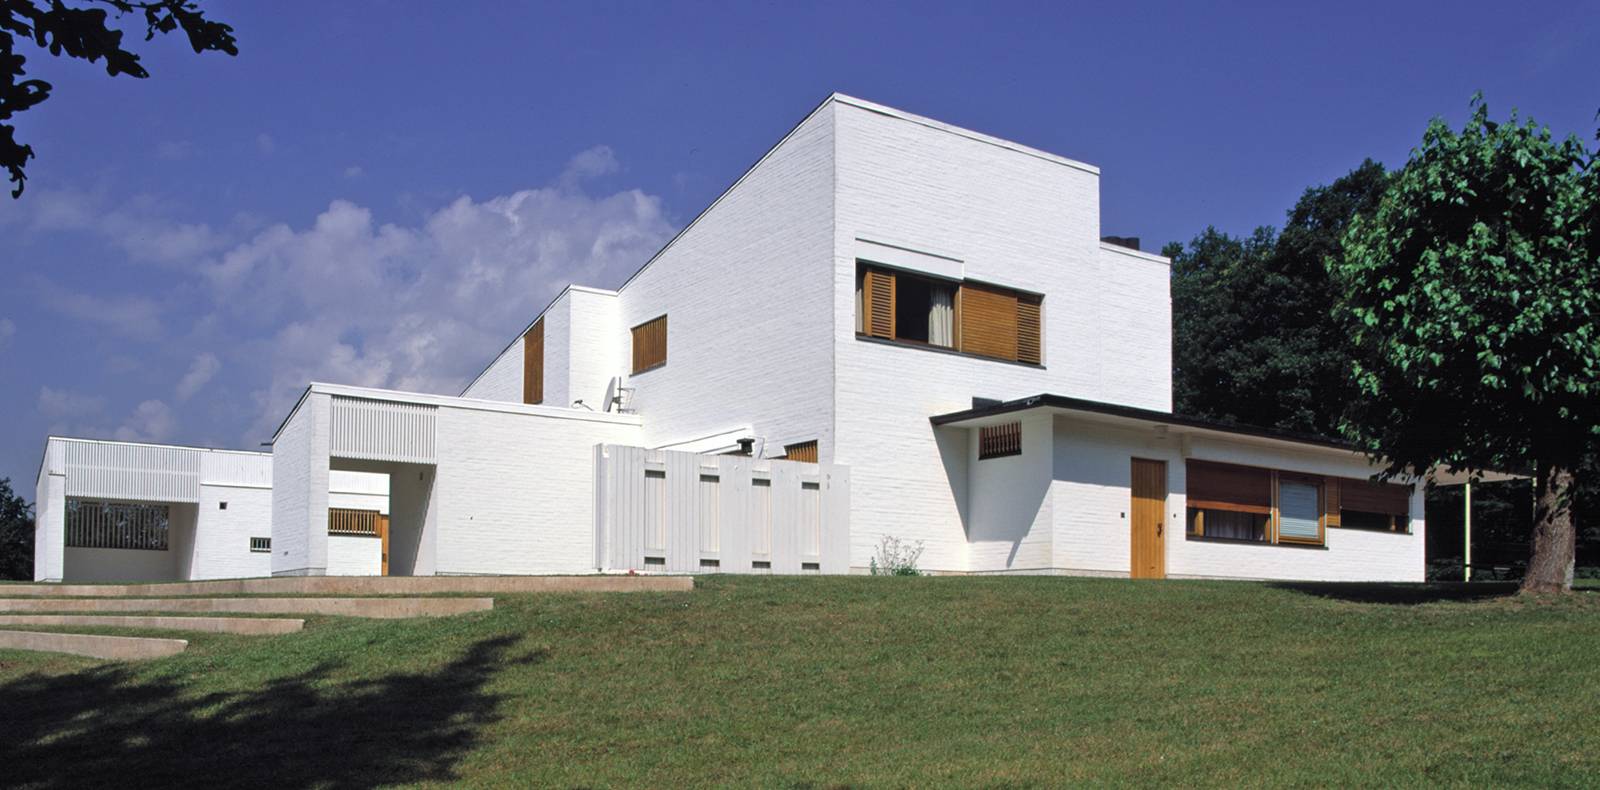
(999, 441)
(1299, 509)
(1381, 507)
(650, 345)
(969, 317)
(260, 545)
(533, 363)
(1228, 502)
(804, 451)
(116, 525)
(222, 505)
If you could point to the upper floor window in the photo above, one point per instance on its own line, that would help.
(964, 316)
(650, 345)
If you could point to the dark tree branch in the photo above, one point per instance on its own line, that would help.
(83, 34)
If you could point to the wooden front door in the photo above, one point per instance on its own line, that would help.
(383, 536)
(1147, 519)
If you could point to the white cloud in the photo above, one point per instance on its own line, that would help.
(201, 371)
(151, 421)
(131, 316)
(8, 330)
(139, 227)
(592, 163)
(421, 306)
(265, 144)
(354, 171)
(66, 404)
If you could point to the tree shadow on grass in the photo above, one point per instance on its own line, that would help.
(102, 727)
(1401, 594)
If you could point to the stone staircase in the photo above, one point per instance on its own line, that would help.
(189, 606)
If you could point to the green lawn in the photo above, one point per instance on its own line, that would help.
(852, 681)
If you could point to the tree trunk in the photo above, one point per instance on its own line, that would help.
(1554, 536)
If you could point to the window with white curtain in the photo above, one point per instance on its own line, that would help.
(925, 310)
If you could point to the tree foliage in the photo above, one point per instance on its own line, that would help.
(1471, 297)
(16, 534)
(83, 33)
(1252, 339)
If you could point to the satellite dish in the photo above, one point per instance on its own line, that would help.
(611, 393)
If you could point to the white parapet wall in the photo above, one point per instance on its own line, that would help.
(678, 512)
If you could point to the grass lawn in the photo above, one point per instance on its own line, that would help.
(851, 681)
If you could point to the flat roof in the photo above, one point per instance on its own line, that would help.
(979, 414)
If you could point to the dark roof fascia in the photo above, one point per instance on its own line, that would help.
(1135, 413)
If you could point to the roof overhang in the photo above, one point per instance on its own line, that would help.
(1116, 415)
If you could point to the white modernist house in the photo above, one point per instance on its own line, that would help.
(888, 326)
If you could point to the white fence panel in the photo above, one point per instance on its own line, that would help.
(377, 430)
(661, 510)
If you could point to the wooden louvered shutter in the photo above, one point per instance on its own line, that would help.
(804, 451)
(1029, 345)
(988, 321)
(878, 303)
(1369, 497)
(650, 344)
(1214, 486)
(533, 363)
(1331, 501)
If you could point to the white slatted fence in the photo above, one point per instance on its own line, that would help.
(676, 512)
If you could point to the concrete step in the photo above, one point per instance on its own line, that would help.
(252, 626)
(385, 608)
(117, 648)
(364, 585)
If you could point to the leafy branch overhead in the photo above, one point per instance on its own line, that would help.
(83, 33)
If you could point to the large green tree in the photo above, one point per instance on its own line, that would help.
(83, 31)
(16, 534)
(1252, 341)
(1471, 296)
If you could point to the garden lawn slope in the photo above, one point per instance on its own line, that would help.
(851, 681)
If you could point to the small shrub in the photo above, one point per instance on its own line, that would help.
(896, 557)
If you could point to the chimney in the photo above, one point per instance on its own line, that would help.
(1131, 242)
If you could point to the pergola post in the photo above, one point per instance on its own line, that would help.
(1467, 540)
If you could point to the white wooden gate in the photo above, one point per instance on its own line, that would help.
(675, 512)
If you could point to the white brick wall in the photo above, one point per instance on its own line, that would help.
(221, 548)
(300, 490)
(354, 555)
(515, 491)
(596, 354)
(748, 299)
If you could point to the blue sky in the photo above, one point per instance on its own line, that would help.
(383, 193)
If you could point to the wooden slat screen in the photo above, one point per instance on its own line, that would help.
(1332, 495)
(804, 451)
(533, 363)
(1217, 486)
(348, 521)
(1029, 324)
(650, 344)
(1369, 497)
(878, 296)
(999, 441)
(988, 321)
